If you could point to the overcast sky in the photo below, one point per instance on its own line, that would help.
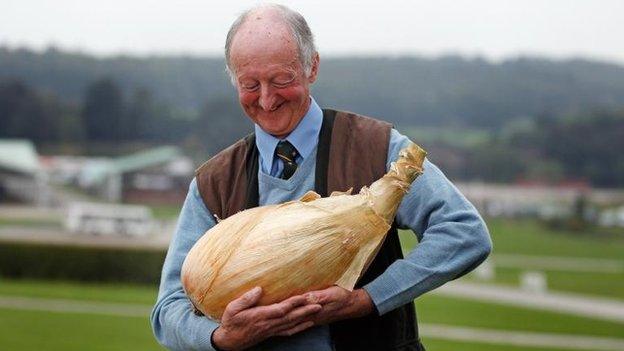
(494, 28)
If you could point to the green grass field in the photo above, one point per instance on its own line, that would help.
(453, 311)
(431, 308)
(445, 345)
(136, 294)
(37, 223)
(532, 239)
(610, 285)
(79, 331)
(165, 212)
(35, 330)
(40, 330)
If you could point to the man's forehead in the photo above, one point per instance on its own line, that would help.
(262, 30)
(262, 40)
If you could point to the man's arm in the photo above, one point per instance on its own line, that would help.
(173, 321)
(243, 323)
(453, 239)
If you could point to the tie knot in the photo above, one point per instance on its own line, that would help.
(288, 154)
(286, 151)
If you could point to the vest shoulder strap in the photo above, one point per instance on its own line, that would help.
(358, 152)
(220, 178)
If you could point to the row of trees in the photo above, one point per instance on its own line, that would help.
(25, 113)
(580, 148)
(451, 90)
(107, 115)
(103, 115)
(546, 148)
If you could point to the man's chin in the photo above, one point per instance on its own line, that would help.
(280, 134)
(274, 129)
(276, 132)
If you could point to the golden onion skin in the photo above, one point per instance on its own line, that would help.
(298, 246)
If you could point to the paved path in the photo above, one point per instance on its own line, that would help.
(436, 331)
(74, 306)
(158, 241)
(559, 263)
(31, 212)
(582, 305)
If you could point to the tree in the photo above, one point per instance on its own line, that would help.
(141, 115)
(103, 111)
(26, 114)
(220, 123)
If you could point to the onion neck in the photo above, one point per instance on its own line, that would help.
(387, 192)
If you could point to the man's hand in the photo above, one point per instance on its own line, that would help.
(244, 324)
(339, 303)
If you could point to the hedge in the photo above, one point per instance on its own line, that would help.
(56, 262)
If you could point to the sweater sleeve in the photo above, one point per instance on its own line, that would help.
(173, 322)
(453, 238)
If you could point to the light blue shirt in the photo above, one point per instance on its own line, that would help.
(307, 129)
(452, 240)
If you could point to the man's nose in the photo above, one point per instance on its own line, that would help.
(267, 99)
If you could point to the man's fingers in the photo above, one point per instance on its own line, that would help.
(304, 312)
(247, 300)
(319, 296)
(281, 309)
(313, 297)
(328, 295)
(296, 329)
(295, 301)
(295, 317)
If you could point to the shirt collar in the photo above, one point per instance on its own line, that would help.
(304, 137)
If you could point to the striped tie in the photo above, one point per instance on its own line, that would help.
(287, 153)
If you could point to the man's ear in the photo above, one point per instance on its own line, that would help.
(314, 70)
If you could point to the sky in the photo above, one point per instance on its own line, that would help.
(494, 29)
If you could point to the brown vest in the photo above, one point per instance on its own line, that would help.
(352, 152)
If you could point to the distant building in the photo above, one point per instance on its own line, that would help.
(21, 177)
(547, 202)
(155, 176)
(612, 217)
(109, 219)
(66, 170)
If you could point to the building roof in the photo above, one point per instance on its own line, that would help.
(18, 155)
(146, 158)
(97, 172)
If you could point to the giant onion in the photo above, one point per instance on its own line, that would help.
(298, 246)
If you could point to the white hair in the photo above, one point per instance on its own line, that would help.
(298, 27)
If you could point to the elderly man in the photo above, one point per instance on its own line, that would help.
(297, 147)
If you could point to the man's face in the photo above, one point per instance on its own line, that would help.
(273, 88)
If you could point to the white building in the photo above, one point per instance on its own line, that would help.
(158, 175)
(21, 177)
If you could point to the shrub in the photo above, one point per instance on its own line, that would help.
(44, 261)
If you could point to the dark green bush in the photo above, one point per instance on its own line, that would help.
(24, 260)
